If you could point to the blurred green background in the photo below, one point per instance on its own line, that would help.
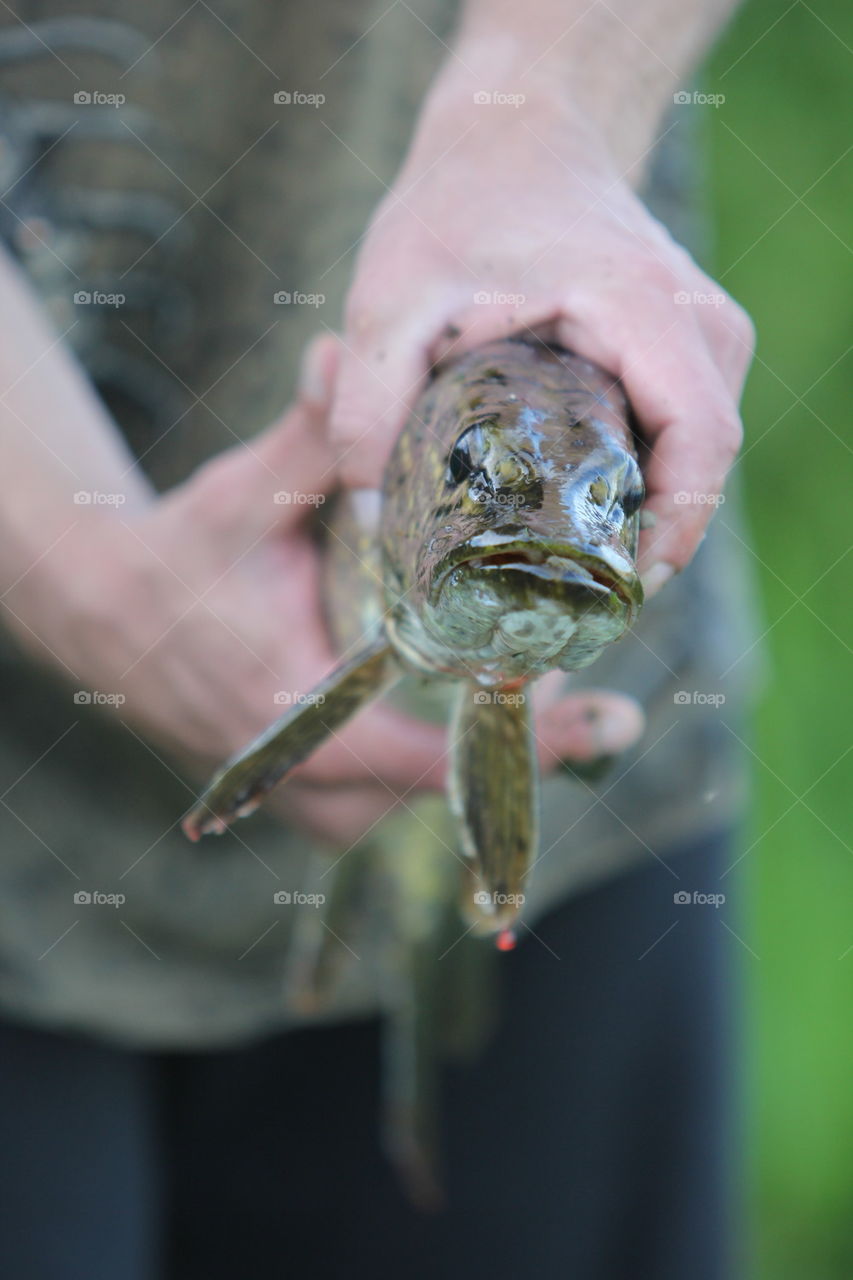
(782, 198)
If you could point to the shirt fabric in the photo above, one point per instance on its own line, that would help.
(215, 186)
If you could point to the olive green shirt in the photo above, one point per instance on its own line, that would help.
(198, 199)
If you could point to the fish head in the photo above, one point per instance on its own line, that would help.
(511, 517)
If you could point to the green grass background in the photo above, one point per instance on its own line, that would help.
(782, 197)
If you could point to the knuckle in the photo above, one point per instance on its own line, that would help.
(584, 305)
(214, 497)
(682, 552)
(654, 273)
(361, 314)
(372, 306)
(741, 325)
(687, 532)
(729, 430)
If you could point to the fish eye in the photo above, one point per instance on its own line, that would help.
(632, 501)
(462, 463)
(459, 463)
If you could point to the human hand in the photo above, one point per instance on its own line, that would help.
(508, 220)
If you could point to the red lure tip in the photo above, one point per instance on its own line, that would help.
(506, 940)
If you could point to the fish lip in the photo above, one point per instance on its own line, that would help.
(518, 555)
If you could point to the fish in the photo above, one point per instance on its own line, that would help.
(503, 547)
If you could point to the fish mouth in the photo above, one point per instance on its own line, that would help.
(559, 563)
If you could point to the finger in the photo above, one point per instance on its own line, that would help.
(318, 371)
(686, 414)
(474, 326)
(381, 373)
(730, 335)
(694, 429)
(384, 746)
(583, 727)
(341, 815)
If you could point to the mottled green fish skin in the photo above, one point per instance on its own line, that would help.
(494, 795)
(518, 450)
(503, 547)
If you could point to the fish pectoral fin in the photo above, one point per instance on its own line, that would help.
(240, 786)
(493, 793)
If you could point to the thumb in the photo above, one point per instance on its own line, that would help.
(380, 375)
(295, 451)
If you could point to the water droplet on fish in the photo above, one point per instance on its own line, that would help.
(506, 940)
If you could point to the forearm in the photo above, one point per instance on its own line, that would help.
(56, 438)
(617, 64)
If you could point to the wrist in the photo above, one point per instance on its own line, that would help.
(606, 126)
(487, 104)
(612, 70)
(67, 585)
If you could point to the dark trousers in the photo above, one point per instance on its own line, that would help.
(592, 1141)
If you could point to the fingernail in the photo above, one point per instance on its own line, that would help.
(656, 577)
(314, 375)
(311, 379)
(613, 731)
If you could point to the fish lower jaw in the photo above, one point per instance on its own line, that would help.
(502, 645)
(538, 638)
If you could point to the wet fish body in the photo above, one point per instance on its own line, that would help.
(502, 548)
